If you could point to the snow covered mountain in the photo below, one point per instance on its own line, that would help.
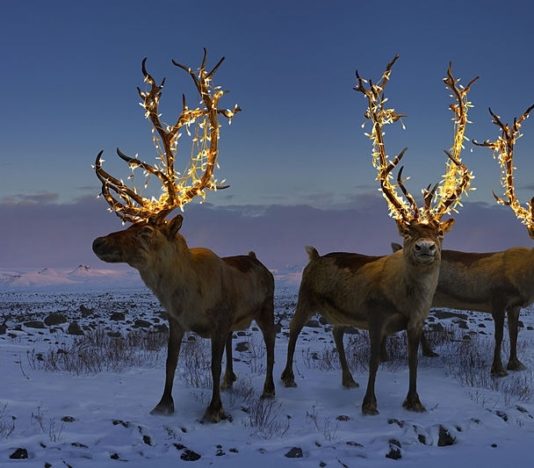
(83, 276)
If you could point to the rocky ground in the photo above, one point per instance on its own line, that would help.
(80, 373)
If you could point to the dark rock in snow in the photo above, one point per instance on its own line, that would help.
(190, 455)
(421, 438)
(79, 445)
(3, 329)
(147, 440)
(242, 346)
(34, 324)
(114, 456)
(295, 452)
(74, 329)
(313, 323)
(445, 437)
(343, 417)
(502, 415)
(117, 316)
(352, 443)
(55, 318)
(140, 323)
(68, 419)
(394, 450)
(443, 314)
(19, 454)
(85, 311)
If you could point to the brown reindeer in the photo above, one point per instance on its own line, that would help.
(500, 283)
(200, 291)
(388, 293)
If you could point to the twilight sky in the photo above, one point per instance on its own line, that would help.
(296, 157)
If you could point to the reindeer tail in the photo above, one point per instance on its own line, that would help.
(312, 252)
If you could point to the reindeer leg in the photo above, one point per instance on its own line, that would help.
(229, 376)
(427, 349)
(513, 324)
(266, 323)
(302, 314)
(497, 369)
(384, 355)
(214, 413)
(166, 404)
(346, 380)
(369, 406)
(412, 401)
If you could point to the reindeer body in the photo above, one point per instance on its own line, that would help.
(382, 294)
(201, 292)
(499, 283)
(347, 286)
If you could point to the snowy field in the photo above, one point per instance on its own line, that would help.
(80, 372)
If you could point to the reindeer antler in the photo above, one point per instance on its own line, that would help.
(177, 189)
(457, 179)
(503, 148)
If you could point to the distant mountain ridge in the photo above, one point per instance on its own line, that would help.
(82, 276)
(85, 276)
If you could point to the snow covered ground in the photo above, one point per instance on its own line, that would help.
(73, 392)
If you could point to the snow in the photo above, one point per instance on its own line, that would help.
(110, 410)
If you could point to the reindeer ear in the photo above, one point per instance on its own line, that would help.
(174, 226)
(395, 247)
(445, 226)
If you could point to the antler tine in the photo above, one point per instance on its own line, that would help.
(503, 148)
(457, 178)
(452, 198)
(177, 189)
(401, 210)
(408, 195)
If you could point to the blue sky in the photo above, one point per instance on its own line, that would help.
(70, 70)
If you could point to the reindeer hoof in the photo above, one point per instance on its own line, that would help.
(349, 382)
(430, 353)
(369, 410)
(215, 416)
(288, 379)
(498, 372)
(516, 365)
(163, 409)
(414, 404)
(267, 394)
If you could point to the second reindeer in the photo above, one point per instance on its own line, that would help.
(389, 293)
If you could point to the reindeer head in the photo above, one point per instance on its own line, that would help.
(150, 237)
(142, 244)
(503, 148)
(422, 227)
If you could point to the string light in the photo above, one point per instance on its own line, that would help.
(178, 188)
(457, 178)
(503, 151)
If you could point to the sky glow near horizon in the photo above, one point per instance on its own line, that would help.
(71, 71)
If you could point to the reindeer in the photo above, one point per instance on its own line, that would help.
(500, 283)
(388, 293)
(200, 291)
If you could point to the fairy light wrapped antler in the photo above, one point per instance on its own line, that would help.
(503, 151)
(456, 181)
(178, 188)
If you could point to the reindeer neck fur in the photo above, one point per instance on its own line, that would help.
(414, 286)
(170, 269)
